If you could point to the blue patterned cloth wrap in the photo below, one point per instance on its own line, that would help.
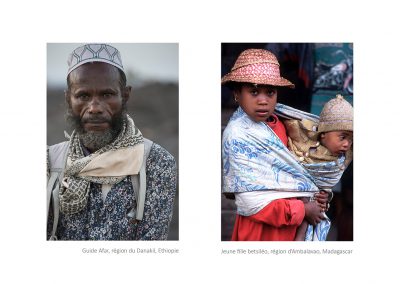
(255, 159)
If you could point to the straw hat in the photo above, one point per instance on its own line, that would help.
(258, 66)
(336, 115)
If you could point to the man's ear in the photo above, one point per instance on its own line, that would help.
(126, 94)
(67, 97)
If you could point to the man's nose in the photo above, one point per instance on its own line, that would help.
(95, 106)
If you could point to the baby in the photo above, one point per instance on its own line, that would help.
(330, 140)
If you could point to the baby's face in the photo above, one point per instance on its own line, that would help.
(258, 102)
(337, 142)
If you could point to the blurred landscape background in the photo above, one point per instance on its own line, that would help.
(152, 71)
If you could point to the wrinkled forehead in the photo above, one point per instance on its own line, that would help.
(95, 73)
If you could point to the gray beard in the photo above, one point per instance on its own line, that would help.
(94, 140)
(97, 140)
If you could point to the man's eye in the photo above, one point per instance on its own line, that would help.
(83, 96)
(107, 95)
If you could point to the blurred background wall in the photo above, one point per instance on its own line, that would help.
(152, 70)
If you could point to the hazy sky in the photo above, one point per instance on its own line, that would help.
(147, 61)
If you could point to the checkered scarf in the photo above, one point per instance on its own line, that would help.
(74, 190)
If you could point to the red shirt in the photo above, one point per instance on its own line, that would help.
(278, 127)
(278, 221)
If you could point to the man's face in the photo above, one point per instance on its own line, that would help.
(96, 100)
(258, 102)
(337, 142)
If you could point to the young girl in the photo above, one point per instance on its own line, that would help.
(257, 166)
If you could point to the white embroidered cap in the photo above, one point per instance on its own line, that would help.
(94, 52)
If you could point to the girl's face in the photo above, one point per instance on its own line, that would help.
(257, 101)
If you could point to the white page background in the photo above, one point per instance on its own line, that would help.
(199, 28)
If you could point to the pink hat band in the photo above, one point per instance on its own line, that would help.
(259, 71)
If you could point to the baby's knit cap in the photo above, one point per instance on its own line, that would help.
(336, 115)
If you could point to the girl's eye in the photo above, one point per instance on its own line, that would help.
(254, 92)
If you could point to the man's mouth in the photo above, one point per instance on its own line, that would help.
(96, 124)
(95, 121)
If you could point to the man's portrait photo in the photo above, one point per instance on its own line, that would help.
(112, 141)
